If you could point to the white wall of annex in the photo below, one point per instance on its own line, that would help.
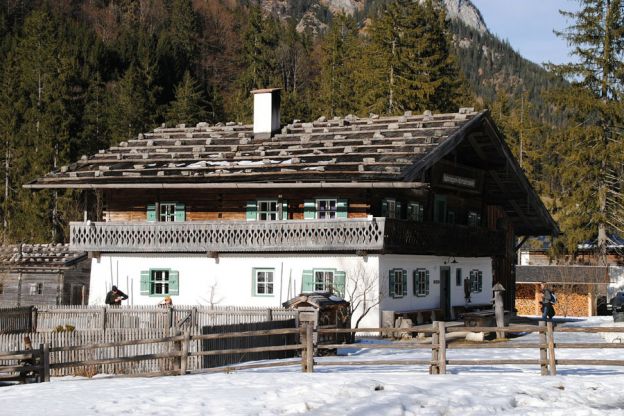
(226, 280)
(410, 263)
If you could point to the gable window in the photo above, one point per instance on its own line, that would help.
(391, 208)
(325, 208)
(476, 281)
(36, 289)
(415, 211)
(397, 283)
(323, 280)
(474, 219)
(263, 282)
(159, 282)
(266, 210)
(166, 212)
(421, 282)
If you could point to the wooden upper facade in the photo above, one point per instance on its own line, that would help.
(425, 184)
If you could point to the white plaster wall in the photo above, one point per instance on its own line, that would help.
(226, 280)
(432, 263)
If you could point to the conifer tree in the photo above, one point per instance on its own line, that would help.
(340, 53)
(592, 145)
(408, 65)
(189, 105)
(130, 108)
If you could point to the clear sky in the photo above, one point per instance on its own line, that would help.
(528, 26)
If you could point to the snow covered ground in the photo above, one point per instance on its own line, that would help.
(343, 390)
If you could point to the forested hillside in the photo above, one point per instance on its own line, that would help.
(80, 75)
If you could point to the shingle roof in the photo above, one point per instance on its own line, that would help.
(374, 149)
(562, 274)
(38, 256)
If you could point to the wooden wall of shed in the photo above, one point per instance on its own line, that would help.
(10, 289)
(79, 278)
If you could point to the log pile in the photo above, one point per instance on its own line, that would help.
(572, 300)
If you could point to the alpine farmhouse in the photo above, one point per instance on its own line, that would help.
(403, 211)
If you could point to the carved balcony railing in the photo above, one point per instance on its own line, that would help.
(348, 235)
(229, 236)
(443, 239)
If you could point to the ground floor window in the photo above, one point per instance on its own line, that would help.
(397, 283)
(458, 277)
(421, 282)
(476, 280)
(159, 282)
(36, 289)
(324, 280)
(263, 282)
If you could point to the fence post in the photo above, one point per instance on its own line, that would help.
(442, 348)
(104, 318)
(184, 353)
(551, 349)
(177, 347)
(302, 336)
(33, 322)
(44, 375)
(542, 347)
(310, 348)
(169, 320)
(435, 345)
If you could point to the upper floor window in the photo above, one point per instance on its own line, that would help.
(439, 208)
(415, 211)
(36, 289)
(266, 210)
(474, 219)
(391, 208)
(166, 212)
(325, 208)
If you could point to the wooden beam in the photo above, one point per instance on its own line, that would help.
(512, 201)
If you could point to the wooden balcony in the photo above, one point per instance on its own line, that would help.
(370, 235)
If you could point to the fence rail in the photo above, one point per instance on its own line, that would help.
(178, 354)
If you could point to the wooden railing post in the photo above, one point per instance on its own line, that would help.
(303, 339)
(309, 348)
(442, 347)
(543, 355)
(185, 352)
(44, 375)
(435, 345)
(177, 347)
(551, 349)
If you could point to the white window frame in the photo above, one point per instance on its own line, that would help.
(418, 211)
(475, 275)
(36, 289)
(162, 280)
(391, 203)
(268, 284)
(323, 214)
(170, 212)
(326, 281)
(398, 282)
(272, 215)
(474, 219)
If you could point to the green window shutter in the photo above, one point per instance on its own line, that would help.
(309, 209)
(284, 210)
(384, 208)
(415, 282)
(397, 211)
(151, 212)
(410, 211)
(145, 282)
(339, 282)
(391, 283)
(174, 283)
(307, 281)
(342, 208)
(180, 212)
(421, 213)
(426, 282)
(404, 277)
(479, 281)
(251, 209)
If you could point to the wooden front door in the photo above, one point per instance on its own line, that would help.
(445, 292)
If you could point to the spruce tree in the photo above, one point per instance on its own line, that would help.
(591, 201)
(189, 104)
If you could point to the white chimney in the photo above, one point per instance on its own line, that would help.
(266, 118)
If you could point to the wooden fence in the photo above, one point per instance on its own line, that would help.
(93, 318)
(18, 319)
(177, 354)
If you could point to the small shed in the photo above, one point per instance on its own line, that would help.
(323, 310)
(43, 274)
